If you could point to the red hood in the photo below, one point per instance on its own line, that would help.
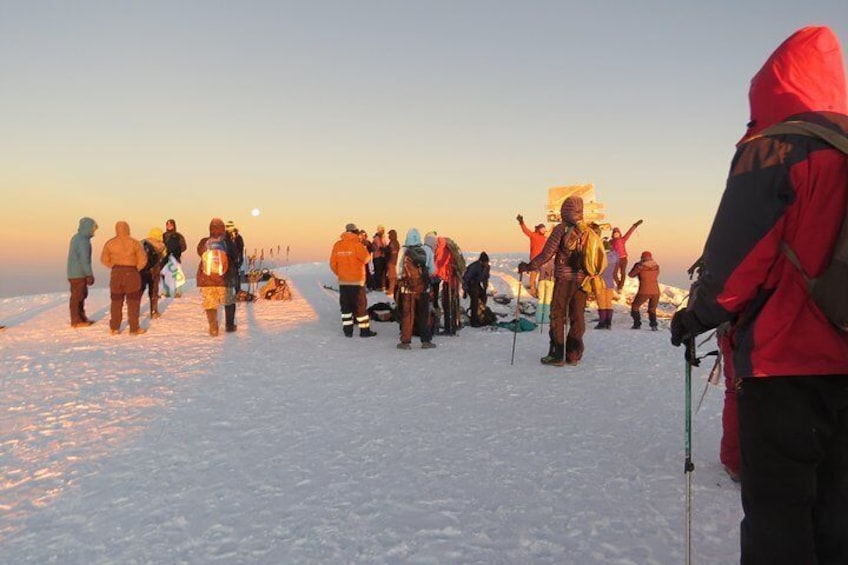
(805, 74)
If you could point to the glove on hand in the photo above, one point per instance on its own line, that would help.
(523, 267)
(681, 334)
(678, 328)
(520, 218)
(89, 280)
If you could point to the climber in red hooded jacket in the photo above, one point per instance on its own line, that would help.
(790, 363)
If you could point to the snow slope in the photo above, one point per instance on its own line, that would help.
(288, 443)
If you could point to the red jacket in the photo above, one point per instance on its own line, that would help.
(787, 188)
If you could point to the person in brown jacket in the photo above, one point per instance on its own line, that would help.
(348, 261)
(125, 257)
(648, 271)
(217, 276)
(392, 252)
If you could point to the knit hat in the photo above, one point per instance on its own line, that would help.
(155, 234)
(646, 255)
(539, 226)
(352, 228)
(230, 226)
(484, 257)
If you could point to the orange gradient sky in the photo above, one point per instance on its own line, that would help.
(444, 115)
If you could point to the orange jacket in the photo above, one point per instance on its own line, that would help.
(348, 260)
(537, 240)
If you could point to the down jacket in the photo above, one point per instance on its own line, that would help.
(122, 250)
(578, 251)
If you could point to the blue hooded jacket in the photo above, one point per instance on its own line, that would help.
(413, 237)
(79, 253)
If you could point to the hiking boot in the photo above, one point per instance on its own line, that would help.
(428, 345)
(404, 346)
(553, 361)
(367, 332)
(138, 331)
(654, 328)
(231, 328)
(114, 332)
(82, 324)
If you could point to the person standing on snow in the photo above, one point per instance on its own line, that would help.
(538, 237)
(791, 364)
(647, 271)
(580, 258)
(475, 283)
(378, 245)
(156, 253)
(414, 266)
(348, 260)
(125, 257)
(619, 245)
(238, 242)
(80, 275)
(392, 251)
(217, 276)
(606, 296)
(175, 244)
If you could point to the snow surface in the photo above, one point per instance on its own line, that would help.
(285, 442)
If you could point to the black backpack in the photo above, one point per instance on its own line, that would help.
(828, 290)
(153, 257)
(415, 277)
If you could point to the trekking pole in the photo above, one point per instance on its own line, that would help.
(287, 261)
(688, 466)
(515, 322)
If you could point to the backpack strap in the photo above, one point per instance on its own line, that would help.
(809, 129)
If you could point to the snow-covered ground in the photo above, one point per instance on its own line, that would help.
(287, 443)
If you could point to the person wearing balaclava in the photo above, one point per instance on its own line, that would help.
(786, 192)
(579, 259)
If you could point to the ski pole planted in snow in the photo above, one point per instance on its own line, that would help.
(688, 466)
(517, 313)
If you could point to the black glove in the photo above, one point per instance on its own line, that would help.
(681, 334)
(523, 267)
(678, 328)
(520, 218)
